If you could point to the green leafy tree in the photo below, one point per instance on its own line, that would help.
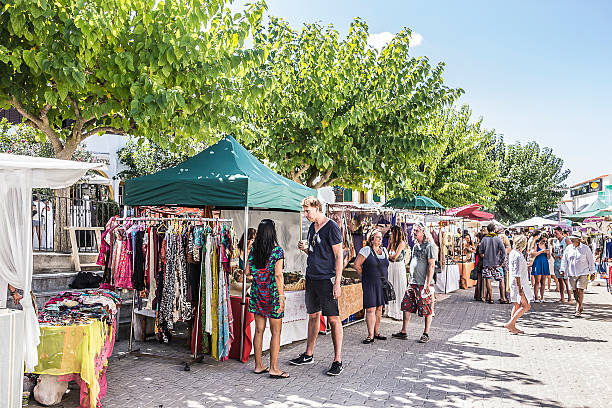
(141, 67)
(144, 157)
(27, 141)
(531, 181)
(337, 112)
(460, 166)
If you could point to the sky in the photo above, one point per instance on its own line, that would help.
(533, 70)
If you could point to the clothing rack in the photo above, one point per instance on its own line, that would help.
(195, 358)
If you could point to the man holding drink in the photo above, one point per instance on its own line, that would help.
(323, 277)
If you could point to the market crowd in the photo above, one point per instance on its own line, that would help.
(525, 263)
(522, 262)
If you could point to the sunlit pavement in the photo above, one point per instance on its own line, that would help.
(471, 361)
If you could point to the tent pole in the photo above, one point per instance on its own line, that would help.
(243, 302)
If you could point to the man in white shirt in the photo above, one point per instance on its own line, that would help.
(577, 264)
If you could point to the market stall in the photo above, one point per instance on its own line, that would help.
(224, 176)
(18, 176)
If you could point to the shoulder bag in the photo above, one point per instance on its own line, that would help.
(387, 287)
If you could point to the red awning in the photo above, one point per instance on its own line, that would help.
(481, 216)
(463, 211)
(471, 211)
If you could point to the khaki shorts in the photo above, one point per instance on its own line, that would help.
(579, 282)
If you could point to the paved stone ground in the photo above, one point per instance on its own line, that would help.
(471, 361)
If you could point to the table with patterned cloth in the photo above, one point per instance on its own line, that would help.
(80, 353)
(77, 335)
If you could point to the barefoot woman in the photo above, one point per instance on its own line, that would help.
(521, 293)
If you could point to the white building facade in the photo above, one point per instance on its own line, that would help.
(585, 193)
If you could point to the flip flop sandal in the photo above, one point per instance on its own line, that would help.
(368, 340)
(281, 375)
(265, 370)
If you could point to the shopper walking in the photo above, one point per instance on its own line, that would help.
(372, 265)
(323, 277)
(419, 297)
(559, 244)
(492, 250)
(397, 271)
(521, 293)
(578, 263)
(267, 299)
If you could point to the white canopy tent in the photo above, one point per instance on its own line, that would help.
(18, 175)
(535, 222)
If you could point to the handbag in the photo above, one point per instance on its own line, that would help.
(387, 287)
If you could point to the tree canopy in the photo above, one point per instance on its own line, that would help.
(144, 157)
(27, 141)
(459, 166)
(531, 181)
(166, 70)
(338, 112)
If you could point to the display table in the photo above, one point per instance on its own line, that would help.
(295, 324)
(448, 280)
(80, 353)
(464, 270)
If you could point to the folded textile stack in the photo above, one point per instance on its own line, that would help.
(78, 307)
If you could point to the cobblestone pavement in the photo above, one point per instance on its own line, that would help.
(471, 361)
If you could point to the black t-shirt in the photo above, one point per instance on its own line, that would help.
(321, 262)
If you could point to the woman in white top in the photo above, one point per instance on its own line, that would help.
(521, 293)
(397, 272)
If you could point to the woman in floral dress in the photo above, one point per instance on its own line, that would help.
(267, 299)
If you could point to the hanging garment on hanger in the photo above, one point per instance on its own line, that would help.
(215, 300)
(168, 291)
(138, 260)
(123, 272)
(152, 259)
(209, 285)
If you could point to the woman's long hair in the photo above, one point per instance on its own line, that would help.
(250, 235)
(397, 236)
(265, 242)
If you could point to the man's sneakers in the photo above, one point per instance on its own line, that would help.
(336, 368)
(424, 338)
(303, 359)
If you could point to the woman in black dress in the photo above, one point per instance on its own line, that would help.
(371, 263)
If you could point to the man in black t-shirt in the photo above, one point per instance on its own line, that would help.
(323, 276)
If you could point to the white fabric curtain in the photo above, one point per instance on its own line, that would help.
(18, 175)
(16, 251)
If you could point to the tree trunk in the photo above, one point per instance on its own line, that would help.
(62, 219)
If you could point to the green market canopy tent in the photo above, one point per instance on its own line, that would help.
(225, 175)
(596, 209)
(416, 203)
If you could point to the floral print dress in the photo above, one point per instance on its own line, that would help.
(264, 299)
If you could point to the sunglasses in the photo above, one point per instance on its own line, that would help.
(314, 239)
